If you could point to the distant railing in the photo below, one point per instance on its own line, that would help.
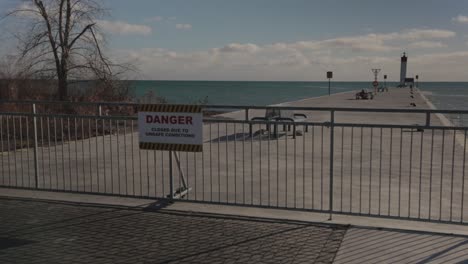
(336, 162)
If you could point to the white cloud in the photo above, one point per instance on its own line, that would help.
(369, 42)
(419, 34)
(236, 47)
(427, 44)
(155, 19)
(123, 28)
(460, 19)
(184, 26)
(350, 57)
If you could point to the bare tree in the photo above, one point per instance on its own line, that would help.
(62, 41)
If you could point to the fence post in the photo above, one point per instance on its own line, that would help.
(171, 178)
(247, 114)
(36, 159)
(332, 151)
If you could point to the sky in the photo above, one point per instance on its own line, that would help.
(286, 40)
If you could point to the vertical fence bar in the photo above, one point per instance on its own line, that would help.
(370, 168)
(63, 152)
(431, 174)
(83, 154)
(410, 173)
(235, 165)
(90, 156)
(125, 156)
(463, 178)
(303, 164)
(227, 162)
(321, 168)
(8, 148)
(360, 170)
(118, 155)
(441, 175)
(171, 178)
(56, 154)
(390, 172)
(42, 151)
(399, 176)
(341, 168)
(285, 167)
(420, 173)
(452, 176)
(211, 166)
(332, 143)
(351, 172)
(380, 170)
(111, 159)
(14, 150)
(2, 149)
(36, 159)
(21, 148)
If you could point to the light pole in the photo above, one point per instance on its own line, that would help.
(329, 76)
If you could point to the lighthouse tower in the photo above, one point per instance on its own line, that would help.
(404, 61)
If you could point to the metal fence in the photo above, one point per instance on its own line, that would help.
(339, 160)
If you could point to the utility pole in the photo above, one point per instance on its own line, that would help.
(376, 77)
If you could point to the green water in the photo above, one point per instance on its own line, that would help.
(241, 93)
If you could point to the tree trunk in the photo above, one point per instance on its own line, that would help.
(62, 87)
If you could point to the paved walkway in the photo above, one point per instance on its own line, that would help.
(46, 231)
(53, 232)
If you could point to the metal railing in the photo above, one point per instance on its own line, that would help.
(341, 161)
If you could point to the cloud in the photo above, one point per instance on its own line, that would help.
(155, 19)
(419, 34)
(460, 19)
(124, 28)
(184, 26)
(427, 44)
(350, 57)
(236, 47)
(369, 42)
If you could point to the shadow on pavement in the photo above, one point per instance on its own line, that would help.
(150, 233)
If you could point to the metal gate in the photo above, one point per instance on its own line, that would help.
(412, 170)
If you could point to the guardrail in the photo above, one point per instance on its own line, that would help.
(403, 171)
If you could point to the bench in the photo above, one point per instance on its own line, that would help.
(282, 116)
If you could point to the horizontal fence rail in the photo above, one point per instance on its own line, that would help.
(404, 171)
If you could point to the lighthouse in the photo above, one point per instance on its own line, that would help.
(404, 61)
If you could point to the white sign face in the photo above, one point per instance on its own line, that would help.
(171, 128)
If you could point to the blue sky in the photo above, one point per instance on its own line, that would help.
(287, 40)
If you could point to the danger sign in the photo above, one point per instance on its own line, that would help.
(171, 127)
